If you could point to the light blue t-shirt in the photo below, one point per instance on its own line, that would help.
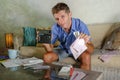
(66, 39)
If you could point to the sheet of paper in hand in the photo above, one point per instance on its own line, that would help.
(78, 47)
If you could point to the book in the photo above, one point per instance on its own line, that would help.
(64, 72)
(77, 75)
(78, 47)
(21, 62)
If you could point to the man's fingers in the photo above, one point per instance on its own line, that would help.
(82, 35)
(85, 37)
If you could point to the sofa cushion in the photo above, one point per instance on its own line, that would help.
(68, 60)
(30, 51)
(40, 44)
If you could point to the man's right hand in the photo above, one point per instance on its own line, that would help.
(49, 57)
(48, 47)
(85, 37)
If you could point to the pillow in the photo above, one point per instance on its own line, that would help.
(37, 32)
(113, 40)
(40, 44)
(116, 42)
(29, 36)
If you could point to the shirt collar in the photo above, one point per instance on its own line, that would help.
(73, 25)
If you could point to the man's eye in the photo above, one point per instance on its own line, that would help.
(56, 19)
(62, 16)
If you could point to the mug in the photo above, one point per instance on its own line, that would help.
(12, 53)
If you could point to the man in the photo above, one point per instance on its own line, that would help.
(63, 31)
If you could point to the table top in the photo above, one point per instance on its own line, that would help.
(20, 73)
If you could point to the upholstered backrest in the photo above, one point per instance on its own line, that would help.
(19, 39)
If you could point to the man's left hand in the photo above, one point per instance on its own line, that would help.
(85, 37)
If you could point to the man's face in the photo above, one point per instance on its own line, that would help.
(63, 19)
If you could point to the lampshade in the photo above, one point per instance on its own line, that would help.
(9, 40)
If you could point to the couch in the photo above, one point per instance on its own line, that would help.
(37, 50)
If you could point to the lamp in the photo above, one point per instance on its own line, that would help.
(9, 40)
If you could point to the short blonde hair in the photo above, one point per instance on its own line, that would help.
(60, 6)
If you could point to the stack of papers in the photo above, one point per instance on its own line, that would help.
(21, 62)
(65, 72)
(77, 75)
(38, 66)
(78, 47)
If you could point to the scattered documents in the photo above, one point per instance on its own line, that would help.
(64, 72)
(31, 61)
(78, 47)
(77, 75)
(38, 66)
(10, 63)
(21, 62)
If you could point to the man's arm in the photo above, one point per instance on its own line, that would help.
(50, 56)
(85, 56)
(90, 47)
(48, 47)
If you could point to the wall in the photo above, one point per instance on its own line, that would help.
(15, 14)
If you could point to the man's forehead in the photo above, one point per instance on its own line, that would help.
(62, 12)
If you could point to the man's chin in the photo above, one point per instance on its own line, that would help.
(64, 27)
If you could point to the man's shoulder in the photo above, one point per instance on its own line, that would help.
(77, 22)
(76, 19)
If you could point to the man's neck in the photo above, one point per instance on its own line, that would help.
(69, 27)
(67, 30)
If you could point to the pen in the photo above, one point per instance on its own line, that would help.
(75, 76)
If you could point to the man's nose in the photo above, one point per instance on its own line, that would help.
(60, 21)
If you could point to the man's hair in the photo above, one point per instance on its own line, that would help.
(60, 6)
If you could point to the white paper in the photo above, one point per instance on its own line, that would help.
(78, 47)
(64, 71)
(10, 63)
(77, 75)
(23, 62)
(31, 61)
